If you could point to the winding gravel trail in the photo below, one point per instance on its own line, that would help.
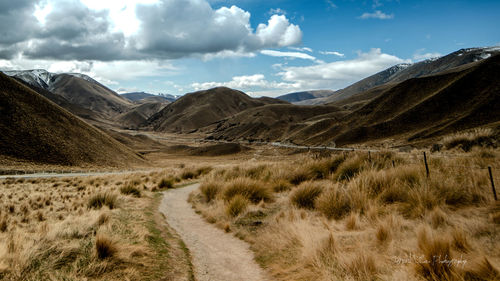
(216, 255)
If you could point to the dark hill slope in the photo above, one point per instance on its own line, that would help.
(200, 109)
(425, 107)
(35, 129)
(139, 114)
(89, 95)
(271, 122)
(63, 102)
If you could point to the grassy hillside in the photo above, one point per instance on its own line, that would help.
(90, 95)
(200, 109)
(33, 128)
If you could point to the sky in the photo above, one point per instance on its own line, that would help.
(261, 47)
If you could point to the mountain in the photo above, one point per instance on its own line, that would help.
(274, 122)
(402, 72)
(141, 97)
(456, 99)
(452, 100)
(138, 115)
(199, 109)
(36, 129)
(305, 95)
(78, 89)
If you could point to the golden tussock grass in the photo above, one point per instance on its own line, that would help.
(361, 218)
(87, 229)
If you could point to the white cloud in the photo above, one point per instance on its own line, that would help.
(104, 72)
(377, 15)
(298, 55)
(277, 11)
(278, 32)
(339, 74)
(421, 55)
(136, 30)
(332, 53)
(301, 49)
(246, 83)
(330, 4)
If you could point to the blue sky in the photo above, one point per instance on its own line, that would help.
(261, 47)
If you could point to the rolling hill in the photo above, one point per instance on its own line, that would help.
(271, 122)
(199, 109)
(138, 115)
(36, 129)
(455, 99)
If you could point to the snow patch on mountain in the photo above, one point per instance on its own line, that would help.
(42, 78)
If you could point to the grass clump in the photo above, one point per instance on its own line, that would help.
(280, 185)
(129, 189)
(210, 190)
(237, 205)
(105, 247)
(334, 203)
(433, 249)
(349, 168)
(166, 183)
(483, 137)
(305, 195)
(99, 200)
(253, 190)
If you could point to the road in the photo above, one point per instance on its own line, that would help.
(217, 255)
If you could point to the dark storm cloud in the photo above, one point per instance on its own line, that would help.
(17, 21)
(73, 31)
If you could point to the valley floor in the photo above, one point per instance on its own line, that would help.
(304, 215)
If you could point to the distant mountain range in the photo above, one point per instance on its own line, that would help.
(305, 95)
(402, 72)
(143, 96)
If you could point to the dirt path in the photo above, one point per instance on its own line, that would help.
(216, 255)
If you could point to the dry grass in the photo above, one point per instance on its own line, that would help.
(305, 195)
(83, 229)
(482, 137)
(317, 214)
(236, 205)
(253, 190)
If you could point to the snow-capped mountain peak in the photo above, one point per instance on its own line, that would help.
(42, 78)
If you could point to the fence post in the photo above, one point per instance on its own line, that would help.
(393, 164)
(492, 184)
(426, 165)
